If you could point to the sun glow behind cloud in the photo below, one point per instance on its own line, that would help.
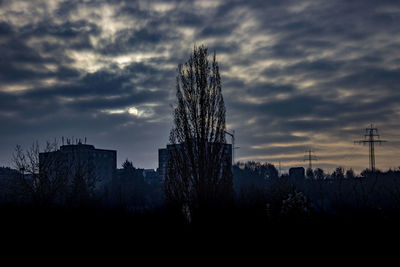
(133, 111)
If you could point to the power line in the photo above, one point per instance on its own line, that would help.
(369, 138)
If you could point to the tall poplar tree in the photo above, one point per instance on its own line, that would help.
(199, 175)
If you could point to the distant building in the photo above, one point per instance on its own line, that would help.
(7, 178)
(164, 152)
(150, 176)
(101, 162)
(7, 173)
(162, 162)
(297, 173)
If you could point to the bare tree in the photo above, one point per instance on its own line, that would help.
(199, 174)
(41, 181)
(51, 177)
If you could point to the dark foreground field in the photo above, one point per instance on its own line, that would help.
(239, 229)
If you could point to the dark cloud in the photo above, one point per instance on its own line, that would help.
(64, 31)
(295, 74)
(219, 30)
(5, 29)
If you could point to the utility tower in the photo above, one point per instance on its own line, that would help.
(310, 157)
(369, 138)
(232, 135)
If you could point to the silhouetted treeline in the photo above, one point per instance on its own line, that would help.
(130, 191)
(68, 185)
(266, 203)
(256, 186)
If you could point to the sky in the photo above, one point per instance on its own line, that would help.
(296, 75)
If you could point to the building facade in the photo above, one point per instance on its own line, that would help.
(163, 157)
(297, 173)
(101, 164)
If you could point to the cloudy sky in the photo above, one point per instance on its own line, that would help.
(296, 75)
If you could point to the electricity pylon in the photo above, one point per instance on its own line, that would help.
(310, 157)
(369, 138)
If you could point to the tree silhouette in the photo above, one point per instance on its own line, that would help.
(319, 174)
(310, 173)
(350, 174)
(199, 176)
(41, 181)
(82, 180)
(50, 177)
(132, 186)
(338, 173)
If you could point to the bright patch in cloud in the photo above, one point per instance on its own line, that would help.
(133, 111)
(115, 111)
